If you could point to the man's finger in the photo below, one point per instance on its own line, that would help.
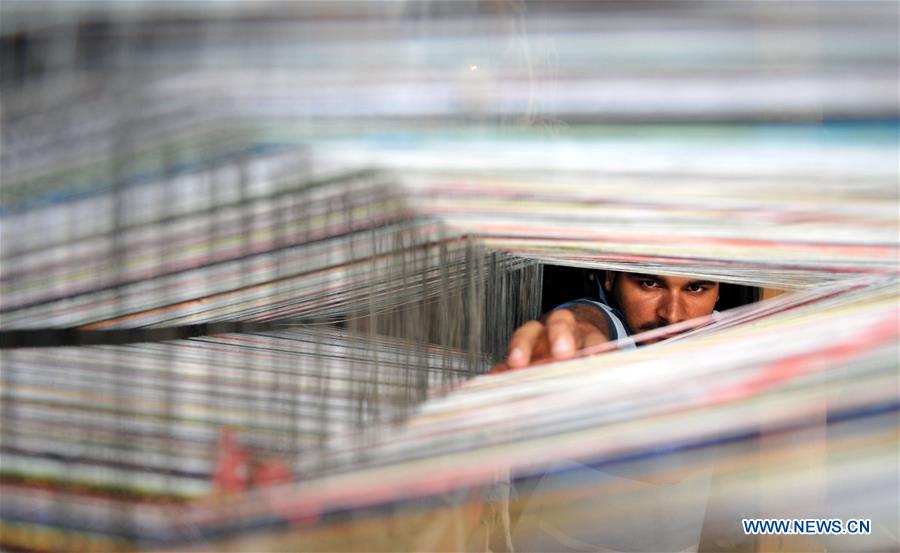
(593, 339)
(522, 344)
(500, 367)
(561, 333)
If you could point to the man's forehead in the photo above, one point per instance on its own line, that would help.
(669, 279)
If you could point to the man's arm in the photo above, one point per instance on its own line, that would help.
(556, 337)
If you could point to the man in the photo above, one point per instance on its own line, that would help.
(636, 303)
(630, 303)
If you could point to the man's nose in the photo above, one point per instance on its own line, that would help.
(672, 309)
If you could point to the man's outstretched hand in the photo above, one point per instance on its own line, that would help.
(563, 332)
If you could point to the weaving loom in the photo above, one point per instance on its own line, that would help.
(257, 261)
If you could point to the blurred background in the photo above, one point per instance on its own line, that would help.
(98, 95)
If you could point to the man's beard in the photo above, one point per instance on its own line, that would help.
(652, 326)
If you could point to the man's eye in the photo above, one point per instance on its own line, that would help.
(696, 288)
(649, 283)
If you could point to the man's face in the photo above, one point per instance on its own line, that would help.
(651, 301)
